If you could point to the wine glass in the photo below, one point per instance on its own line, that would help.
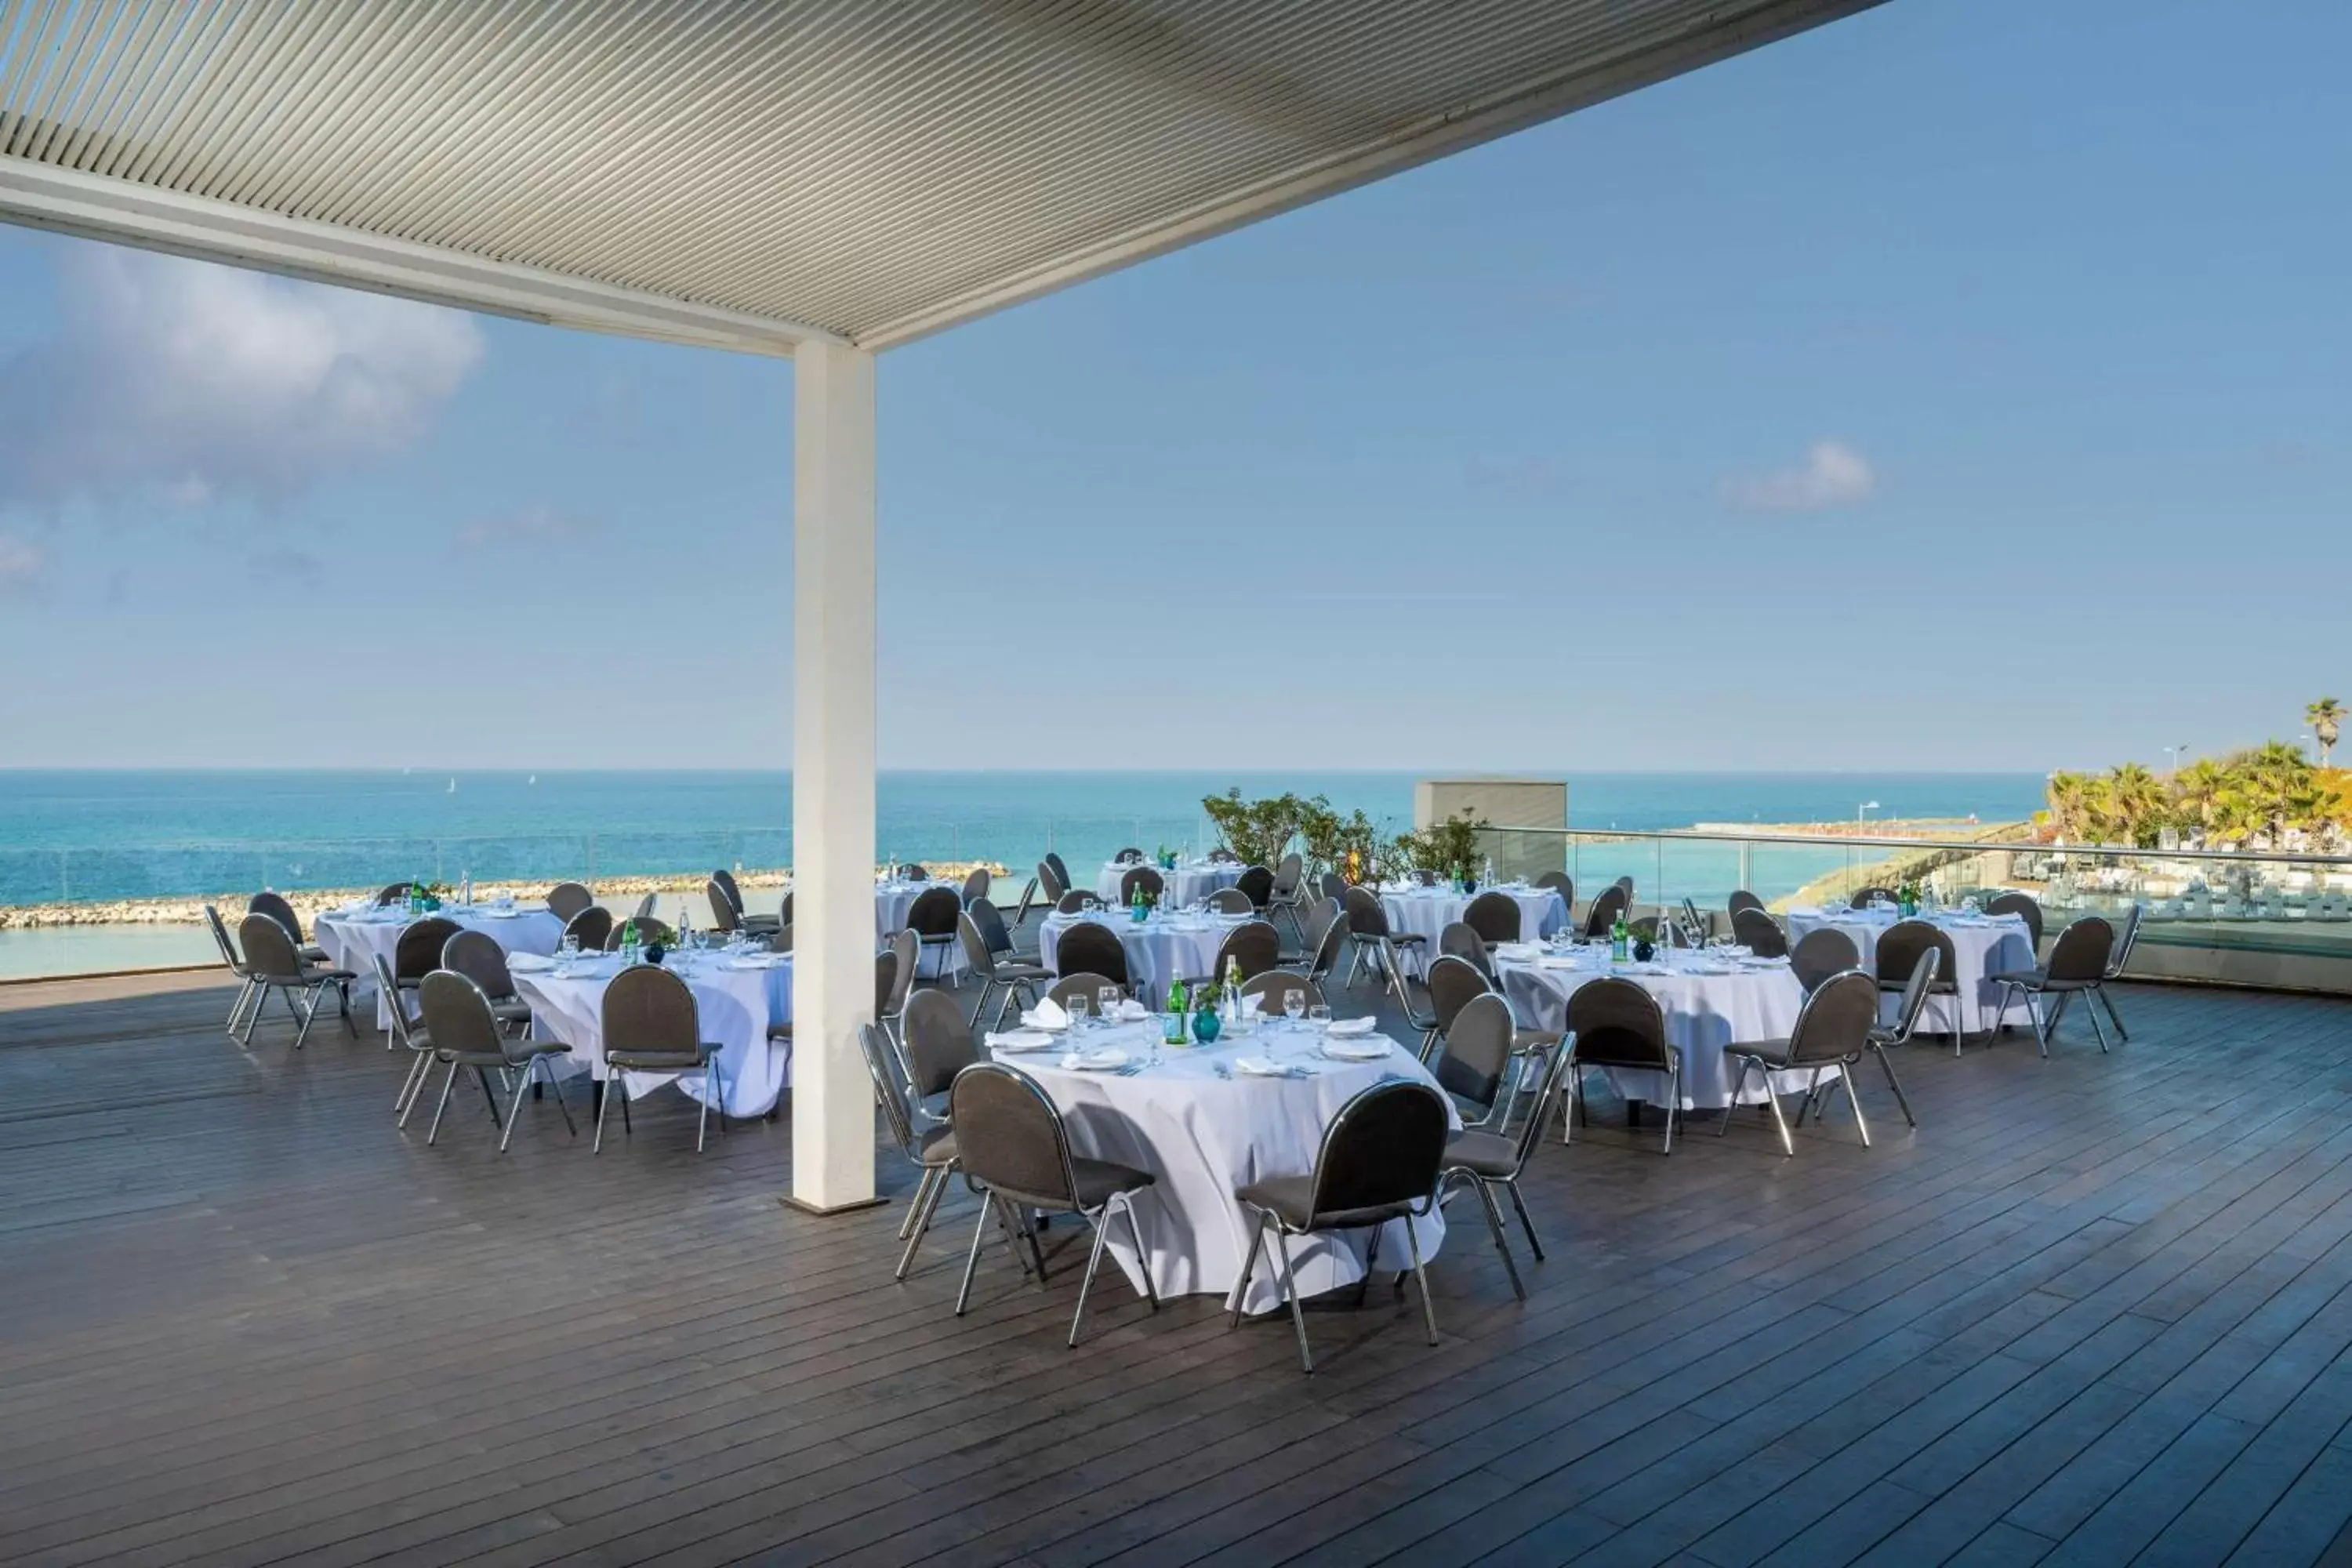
(1107, 1001)
(1294, 1006)
(569, 948)
(1319, 1018)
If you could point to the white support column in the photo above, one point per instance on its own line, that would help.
(833, 775)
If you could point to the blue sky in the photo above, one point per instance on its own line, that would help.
(1960, 385)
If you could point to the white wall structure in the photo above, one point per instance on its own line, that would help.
(833, 773)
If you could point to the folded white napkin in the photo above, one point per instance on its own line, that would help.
(1258, 1066)
(1518, 952)
(1348, 1028)
(1253, 1005)
(1019, 1040)
(1046, 1015)
(1108, 1059)
(1558, 960)
(529, 962)
(1131, 1010)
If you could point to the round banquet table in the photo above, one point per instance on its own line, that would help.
(1187, 884)
(1984, 946)
(352, 936)
(1758, 1000)
(1205, 1135)
(1160, 949)
(738, 999)
(1427, 912)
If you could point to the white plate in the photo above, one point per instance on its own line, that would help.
(1020, 1040)
(1356, 1051)
(1258, 1066)
(1348, 1028)
(1111, 1059)
(1031, 1021)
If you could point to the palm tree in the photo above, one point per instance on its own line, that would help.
(2325, 717)
(2197, 792)
(2134, 805)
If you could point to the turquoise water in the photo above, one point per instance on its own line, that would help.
(135, 835)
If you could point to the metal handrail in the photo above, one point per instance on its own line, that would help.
(1971, 846)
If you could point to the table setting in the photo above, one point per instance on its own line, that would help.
(1711, 997)
(354, 933)
(740, 990)
(1206, 1118)
(1427, 912)
(1168, 944)
(1186, 882)
(1983, 944)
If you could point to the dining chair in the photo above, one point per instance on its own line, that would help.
(1459, 941)
(1013, 975)
(2118, 957)
(1287, 895)
(1882, 1037)
(1487, 1161)
(275, 964)
(1742, 900)
(480, 958)
(1333, 886)
(566, 899)
(1474, 1063)
(1275, 988)
(649, 932)
(1224, 856)
(1899, 946)
(1012, 1145)
(937, 1044)
(275, 906)
(1863, 898)
(906, 949)
(1131, 855)
(652, 1024)
(1368, 929)
(1563, 884)
(1380, 1160)
(1077, 900)
(783, 941)
(1607, 906)
(1092, 948)
(1256, 945)
(645, 906)
(1450, 983)
(932, 917)
(1256, 884)
(465, 1032)
(1495, 916)
(1759, 933)
(591, 928)
(1832, 1031)
(2077, 963)
(1230, 901)
(1329, 943)
(994, 930)
(245, 989)
(1081, 992)
(1061, 870)
(408, 1035)
(723, 914)
(417, 951)
(932, 1149)
(392, 893)
(2025, 906)
(1616, 1023)
(912, 871)
(976, 883)
(1145, 880)
(1822, 953)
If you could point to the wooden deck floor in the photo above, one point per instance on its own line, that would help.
(2097, 1311)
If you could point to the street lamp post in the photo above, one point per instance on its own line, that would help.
(1861, 812)
(2172, 769)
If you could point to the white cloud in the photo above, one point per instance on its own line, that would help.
(20, 565)
(1833, 475)
(536, 523)
(186, 383)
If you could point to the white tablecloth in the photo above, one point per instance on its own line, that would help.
(1161, 949)
(1704, 1013)
(1187, 884)
(737, 1007)
(1204, 1136)
(351, 938)
(1982, 946)
(1427, 912)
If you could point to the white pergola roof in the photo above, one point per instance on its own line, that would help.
(756, 174)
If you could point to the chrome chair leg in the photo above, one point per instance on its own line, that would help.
(419, 1070)
(1502, 1244)
(1779, 1120)
(1290, 1292)
(2092, 1013)
(971, 1259)
(603, 1098)
(1094, 1262)
(1674, 1108)
(1854, 1103)
(1526, 1223)
(555, 1083)
(1249, 1267)
(1142, 1256)
(915, 1204)
(1886, 1066)
(930, 1204)
(1420, 1274)
(2100, 993)
(1739, 1087)
(514, 1109)
(441, 1105)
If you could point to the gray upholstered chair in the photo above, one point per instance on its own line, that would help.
(1077, 900)
(906, 948)
(274, 905)
(1759, 933)
(994, 930)
(1255, 945)
(404, 1035)
(245, 989)
(1458, 940)
(1473, 1062)
(2025, 906)
(1329, 941)
(1287, 895)
(652, 1024)
(1080, 991)
(1822, 953)
(1381, 1160)
(566, 899)
(649, 932)
(2078, 963)
(1012, 1145)
(1450, 983)
(932, 1149)
(937, 1044)
(1495, 916)
(1368, 929)
(1012, 976)
(481, 960)
(1144, 879)
(273, 963)
(976, 883)
(1831, 1031)
(1274, 989)
(1485, 1161)
(2126, 939)
(1615, 1023)
(1907, 1018)
(932, 917)
(1061, 870)
(1093, 949)
(1863, 898)
(1607, 906)
(466, 1033)
(392, 893)
(1742, 900)
(783, 941)
(592, 928)
(1563, 884)
(1230, 901)
(1256, 884)
(1897, 959)
(417, 951)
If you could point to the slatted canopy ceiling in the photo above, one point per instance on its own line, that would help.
(759, 173)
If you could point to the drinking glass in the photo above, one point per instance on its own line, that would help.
(1319, 1018)
(1294, 1006)
(1107, 1002)
(569, 948)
